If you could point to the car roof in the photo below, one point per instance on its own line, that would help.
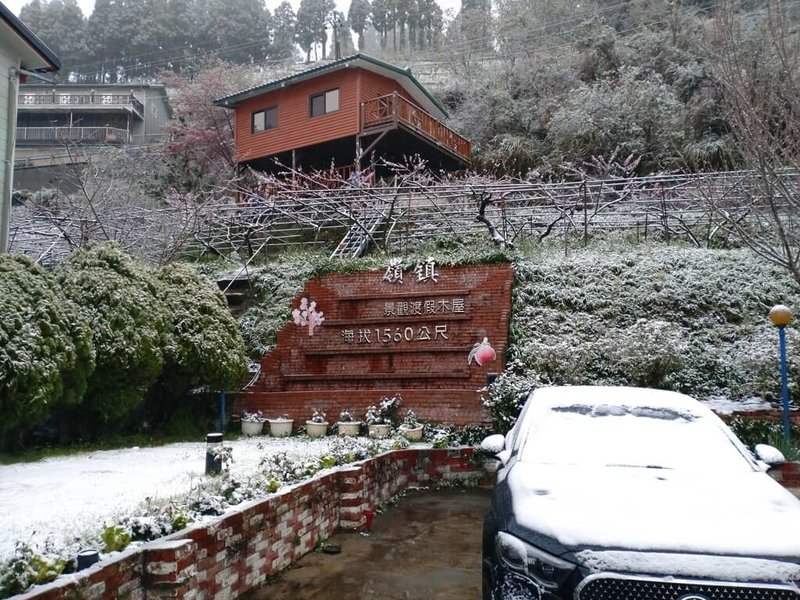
(551, 397)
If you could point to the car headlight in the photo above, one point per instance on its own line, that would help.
(547, 570)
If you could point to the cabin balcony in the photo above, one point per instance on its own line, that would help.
(93, 101)
(392, 111)
(84, 135)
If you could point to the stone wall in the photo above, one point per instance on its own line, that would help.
(238, 551)
(382, 337)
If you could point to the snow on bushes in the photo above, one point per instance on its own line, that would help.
(201, 338)
(46, 354)
(119, 296)
(657, 316)
(94, 336)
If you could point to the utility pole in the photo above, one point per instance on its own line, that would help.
(336, 24)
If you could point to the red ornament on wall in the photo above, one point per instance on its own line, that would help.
(482, 353)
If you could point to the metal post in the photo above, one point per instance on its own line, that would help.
(11, 131)
(781, 316)
(784, 383)
(222, 411)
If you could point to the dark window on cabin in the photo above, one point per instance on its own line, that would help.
(322, 104)
(265, 119)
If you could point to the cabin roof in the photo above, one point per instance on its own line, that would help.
(403, 76)
(43, 59)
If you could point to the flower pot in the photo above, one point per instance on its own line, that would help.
(349, 428)
(316, 430)
(280, 427)
(252, 427)
(412, 434)
(379, 430)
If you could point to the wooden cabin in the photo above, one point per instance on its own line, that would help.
(347, 114)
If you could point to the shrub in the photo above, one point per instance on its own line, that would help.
(202, 344)
(46, 355)
(27, 568)
(683, 319)
(121, 300)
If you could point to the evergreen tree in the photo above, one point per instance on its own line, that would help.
(284, 24)
(313, 18)
(181, 29)
(304, 30)
(105, 43)
(358, 16)
(62, 26)
(383, 19)
(243, 39)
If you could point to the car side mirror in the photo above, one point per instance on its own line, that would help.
(494, 444)
(768, 454)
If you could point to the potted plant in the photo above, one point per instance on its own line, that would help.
(379, 418)
(347, 425)
(281, 427)
(411, 428)
(252, 422)
(317, 426)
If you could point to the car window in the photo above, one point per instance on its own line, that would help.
(623, 436)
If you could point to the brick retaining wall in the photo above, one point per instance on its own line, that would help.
(237, 552)
(787, 474)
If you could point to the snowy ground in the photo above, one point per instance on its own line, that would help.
(60, 499)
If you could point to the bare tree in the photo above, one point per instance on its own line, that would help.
(113, 202)
(757, 63)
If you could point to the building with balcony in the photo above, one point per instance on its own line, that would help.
(57, 123)
(344, 114)
(22, 54)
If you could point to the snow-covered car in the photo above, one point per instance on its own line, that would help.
(611, 493)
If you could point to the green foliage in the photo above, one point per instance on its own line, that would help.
(510, 154)
(683, 319)
(46, 355)
(202, 341)
(275, 286)
(638, 115)
(115, 538)
(762, 431)
(26, 569)
(121, 299)
(505, 396)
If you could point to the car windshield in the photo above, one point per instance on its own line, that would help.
(624, 436)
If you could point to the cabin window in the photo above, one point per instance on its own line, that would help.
(325, 103)
(265, 119)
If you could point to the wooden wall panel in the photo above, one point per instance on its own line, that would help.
(296, 129)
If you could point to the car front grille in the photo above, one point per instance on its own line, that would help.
(613, 588)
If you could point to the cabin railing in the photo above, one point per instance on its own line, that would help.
(56, 98)
(394, 109)
(96, 135)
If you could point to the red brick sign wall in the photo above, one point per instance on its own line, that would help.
(407, 330)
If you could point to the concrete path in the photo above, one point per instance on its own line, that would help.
(428, 546)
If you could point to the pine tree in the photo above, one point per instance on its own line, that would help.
(358, 16)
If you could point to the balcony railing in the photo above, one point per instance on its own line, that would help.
(94, 135)
(393, 108)
(96, 99)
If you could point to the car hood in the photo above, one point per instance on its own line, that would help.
(744, 514)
